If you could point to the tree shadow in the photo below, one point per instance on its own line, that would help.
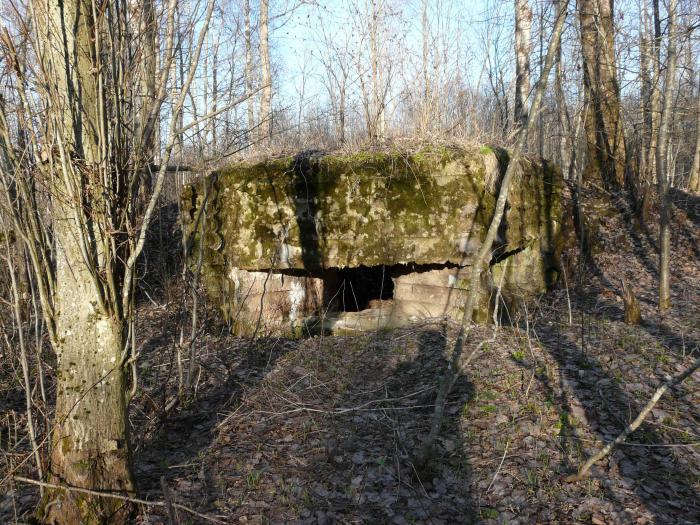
(329, 436)
(371, 450)
(689, 204)
(161, 262)
(178, 441)
(610, 310)
(659, 479)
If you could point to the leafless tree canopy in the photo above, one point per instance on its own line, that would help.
(109, 108)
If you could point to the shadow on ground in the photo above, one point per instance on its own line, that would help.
(320, 432)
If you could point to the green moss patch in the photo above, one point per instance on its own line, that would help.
(314, 212)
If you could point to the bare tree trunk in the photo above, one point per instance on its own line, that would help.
(148, 79)
(24, 361)
(90, 444)
(603, 121)
(694, 181)
(566, 141)
(662, 164)
(84, 265)
(215, 98)
(229, 91)
(645, 174)
(248, 71)
(181, 73)
(523, 48)
(203, 134)
(654, 97)
(177, 76)
(540, 117)
(634, 425)
(646, 88)
(377, 113)
(266, 96)
(341, 114)
(426, 113)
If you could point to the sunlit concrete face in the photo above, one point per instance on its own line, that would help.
(322, 243)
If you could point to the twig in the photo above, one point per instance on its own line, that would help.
(670, 383)
(648, 445)
(112, 495)
(568, 298)
(505, 451)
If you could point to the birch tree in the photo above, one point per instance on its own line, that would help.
(523, 48)
(248, 72)
(266, 95)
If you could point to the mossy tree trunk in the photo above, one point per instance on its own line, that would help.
(92, 148)
(90, 447)
(603, 119)
(89, 439)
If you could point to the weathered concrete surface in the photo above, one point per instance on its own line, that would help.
(435, 293)
(272, 302)
(310, 214)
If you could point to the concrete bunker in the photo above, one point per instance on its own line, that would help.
(339, 244)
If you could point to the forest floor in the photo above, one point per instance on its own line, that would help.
(322, 430)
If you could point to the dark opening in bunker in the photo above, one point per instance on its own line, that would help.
(360, 288)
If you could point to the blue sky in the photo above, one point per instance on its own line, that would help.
(296, 42)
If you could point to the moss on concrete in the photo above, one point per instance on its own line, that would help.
(316, 211)
(332, 211)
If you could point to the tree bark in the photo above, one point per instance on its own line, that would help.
(248, 71)
(377, 114)
(90, 446)
(694, 181)
(603, 120)
(145, 132)
(148, 79)
(662, 164)
(215, 98)
(426, 112)
(654, 97)
(341, 113)
(645, 94)
(566, 141)
(523, 48)
(266, 96)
